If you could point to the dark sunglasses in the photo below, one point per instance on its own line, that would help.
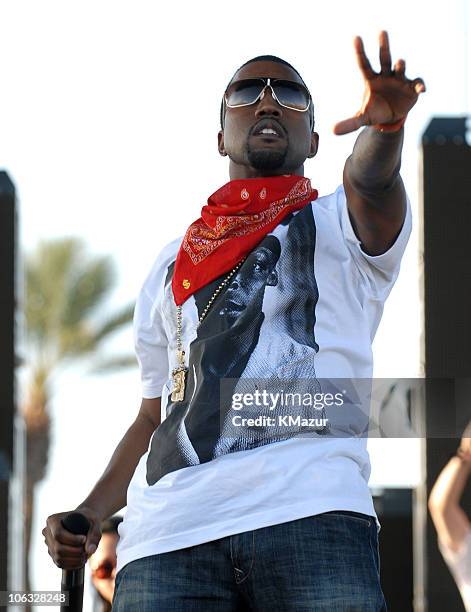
(289, 94)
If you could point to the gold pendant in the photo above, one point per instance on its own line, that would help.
(178, 377)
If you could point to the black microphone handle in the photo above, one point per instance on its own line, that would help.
(72, 580)
(72, 583)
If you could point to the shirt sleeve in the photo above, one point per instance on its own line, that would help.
(379, 271)
(150, 337)
(150, 344)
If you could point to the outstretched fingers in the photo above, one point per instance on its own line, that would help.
(384, 53)
(389, 94)
(363, 61)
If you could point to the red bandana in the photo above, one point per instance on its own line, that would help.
(235, 219)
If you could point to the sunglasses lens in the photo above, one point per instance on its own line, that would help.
(244, 92)
(291, 95)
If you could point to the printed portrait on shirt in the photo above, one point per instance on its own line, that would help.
(261, 325)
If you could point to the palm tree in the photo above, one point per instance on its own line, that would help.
(66, 291)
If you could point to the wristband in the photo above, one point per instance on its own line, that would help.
(390, 127)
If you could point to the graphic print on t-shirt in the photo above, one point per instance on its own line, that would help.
(261, 325)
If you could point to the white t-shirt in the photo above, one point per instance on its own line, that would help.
(305, 304)
(459, 563)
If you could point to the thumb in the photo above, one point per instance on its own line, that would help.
(93, 538)
(350, 125)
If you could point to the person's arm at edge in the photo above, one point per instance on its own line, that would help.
(449, 518)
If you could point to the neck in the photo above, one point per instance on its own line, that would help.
(237, 171)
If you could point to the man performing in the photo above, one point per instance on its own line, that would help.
(270, 281)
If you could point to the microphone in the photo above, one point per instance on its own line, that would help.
(72, 580)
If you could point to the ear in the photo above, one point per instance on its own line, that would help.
(221, 148)
(314, 144)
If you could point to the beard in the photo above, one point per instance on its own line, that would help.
(266, 159)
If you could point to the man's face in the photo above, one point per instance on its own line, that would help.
(253, 154)
(258, 271)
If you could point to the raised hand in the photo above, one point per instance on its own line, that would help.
(389, 94)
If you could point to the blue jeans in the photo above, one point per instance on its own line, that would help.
(327, 562)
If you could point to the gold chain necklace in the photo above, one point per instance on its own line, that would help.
(179, 372)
